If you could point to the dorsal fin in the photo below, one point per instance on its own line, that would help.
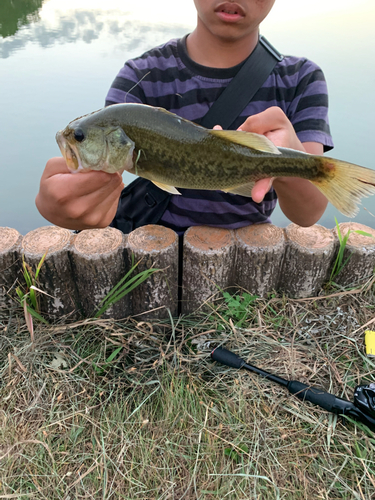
(248, 139)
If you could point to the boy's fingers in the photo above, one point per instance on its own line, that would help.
(107, 193)
(101, 214)
(58, 176)
(97, 183)
(275, 125)
(95, 209)
(260, 189)
(266, 121)
(55, 166)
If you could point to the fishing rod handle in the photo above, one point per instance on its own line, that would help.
(318, 397)
(227, 358)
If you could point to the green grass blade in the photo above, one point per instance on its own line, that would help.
(363, 233)
(32, 296)
(340, 255)
(126, 287)
(339, 265)
(37, 315)
(116, 287)
(26, 275)
(338, 230)
(117, 293)
(114, 290)
(114, 354)
(40, 265)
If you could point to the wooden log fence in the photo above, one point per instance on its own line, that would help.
(208, 265)
(80, 269)
(10, 244)
(307, 262)
(98, 260)
(155, 247)
(260, 253)
(359, 254)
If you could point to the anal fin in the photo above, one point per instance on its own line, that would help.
(166, 187)
(243, 190)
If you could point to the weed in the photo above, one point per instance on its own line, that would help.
(28, 298)
(235, 453)
(124, 286)
(339, 264)
(100, 370)
(239, 307)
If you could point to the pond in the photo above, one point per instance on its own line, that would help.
(59, 57)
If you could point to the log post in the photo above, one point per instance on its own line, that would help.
(208, 264)
(55, 277)
(156, 247)
(360, 250)
(260, 253)
(98, 259)
(10, 263)
(309, 253)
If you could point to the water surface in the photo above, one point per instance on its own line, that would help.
(59, 57)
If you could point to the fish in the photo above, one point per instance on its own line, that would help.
(173, 153)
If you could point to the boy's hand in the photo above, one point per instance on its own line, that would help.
(274, 124)
(300, 200)
(78, 201)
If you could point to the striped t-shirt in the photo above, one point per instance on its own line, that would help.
(166, 77)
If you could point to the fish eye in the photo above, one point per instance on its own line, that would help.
(79, 135)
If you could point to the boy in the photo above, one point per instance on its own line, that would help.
(185, 77)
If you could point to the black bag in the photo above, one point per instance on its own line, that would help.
(141, 202)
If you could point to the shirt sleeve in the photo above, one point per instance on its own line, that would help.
(308, 110)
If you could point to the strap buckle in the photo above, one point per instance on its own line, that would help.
(271, 49)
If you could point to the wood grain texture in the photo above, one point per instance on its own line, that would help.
(208, 265)
(155, 247)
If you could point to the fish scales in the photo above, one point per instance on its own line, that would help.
(217, 164)
(174, 152)
(217, 167)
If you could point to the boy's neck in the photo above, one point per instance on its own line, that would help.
(214, 52)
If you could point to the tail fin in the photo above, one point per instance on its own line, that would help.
(346, 185)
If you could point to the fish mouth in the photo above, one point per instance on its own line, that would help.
(70, 155)
(230, 10)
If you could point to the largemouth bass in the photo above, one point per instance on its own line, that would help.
(173, 152)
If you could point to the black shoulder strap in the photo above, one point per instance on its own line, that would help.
(244, 86)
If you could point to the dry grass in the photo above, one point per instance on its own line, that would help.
(136, 410)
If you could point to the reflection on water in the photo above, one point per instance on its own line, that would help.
(16, 13)
(86, 26)
(52, 70)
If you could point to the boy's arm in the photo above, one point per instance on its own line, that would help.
(300, 200)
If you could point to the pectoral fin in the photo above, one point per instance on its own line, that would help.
(165, 187)
(248, 139)
(244, 190)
